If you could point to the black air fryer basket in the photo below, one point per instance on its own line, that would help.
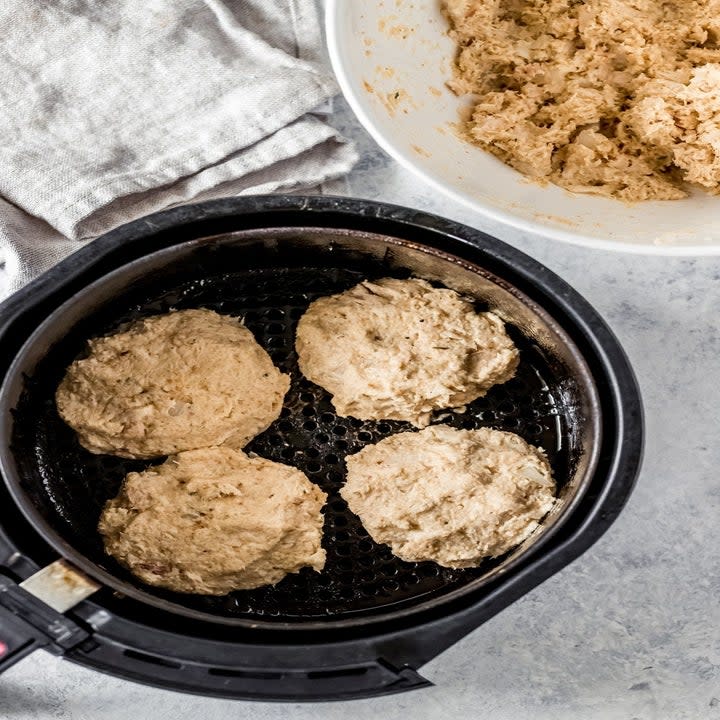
(367, 622)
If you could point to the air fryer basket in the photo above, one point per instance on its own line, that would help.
(269, 277)
(266, 259)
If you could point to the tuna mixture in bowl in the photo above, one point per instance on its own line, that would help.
(588, 122)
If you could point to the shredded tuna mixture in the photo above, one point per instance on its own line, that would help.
(180, 381)
(450, 496)
(215, 520)
(613, 97)
(401, 349)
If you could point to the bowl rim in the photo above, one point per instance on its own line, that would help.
(334, 10)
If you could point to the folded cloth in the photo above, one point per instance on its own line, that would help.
(110, 111)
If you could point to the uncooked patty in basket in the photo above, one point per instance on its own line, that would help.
(172, 382)
(449, 495)
(214, 520)
(402, 349)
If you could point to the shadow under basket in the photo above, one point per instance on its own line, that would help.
(366, 623)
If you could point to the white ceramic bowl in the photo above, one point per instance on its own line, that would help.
(392, 58)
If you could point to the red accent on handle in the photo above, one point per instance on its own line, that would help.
(3, 648)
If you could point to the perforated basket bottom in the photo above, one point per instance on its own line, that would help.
(360, 577)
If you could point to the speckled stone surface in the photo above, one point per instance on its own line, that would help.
(629, 631)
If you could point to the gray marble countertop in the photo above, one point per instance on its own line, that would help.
(631, 630)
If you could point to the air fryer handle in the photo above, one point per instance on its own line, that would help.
(17, 639)
(27, 623)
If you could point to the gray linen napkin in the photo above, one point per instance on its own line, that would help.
(109, 111)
